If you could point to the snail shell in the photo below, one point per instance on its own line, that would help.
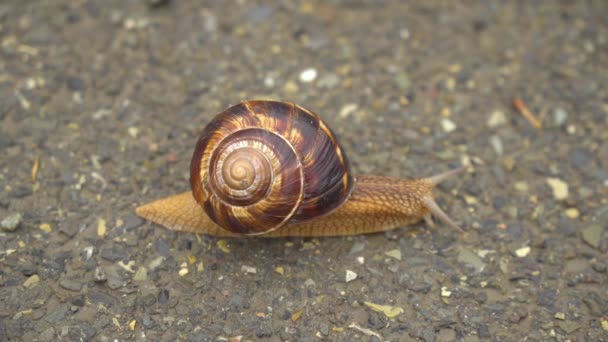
(261, 164)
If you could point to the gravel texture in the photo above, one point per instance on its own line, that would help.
(101, 103)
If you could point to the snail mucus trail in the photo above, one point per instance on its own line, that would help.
(271, 169)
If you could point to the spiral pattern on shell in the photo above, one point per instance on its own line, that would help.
(260, 164)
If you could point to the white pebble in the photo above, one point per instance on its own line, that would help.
(350, 276)
(394, 253)
(521, 186)
(308, 75)
(30, 83)
(497, 118)
(448, 125)
(88, 252)
(155, 263)
(560, 188)
(133, 131)
(445, 292)
(522, 252)
(269, 81)
(249, 269)
(361, 260)
(11, 222)
(348, 109)
(571, 129)
(482, 253)
(560, 116)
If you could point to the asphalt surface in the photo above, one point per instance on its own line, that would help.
(101, 103)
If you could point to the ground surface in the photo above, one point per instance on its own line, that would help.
(101, 102)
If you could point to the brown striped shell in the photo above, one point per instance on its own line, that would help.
(260, 164)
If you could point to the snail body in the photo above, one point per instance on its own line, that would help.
(273, 169)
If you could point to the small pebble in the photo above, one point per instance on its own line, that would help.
(47, 336)
(249, 269)
(70, 284)
(569, 326)
(11, 222)
(100, 275)
(133, 131)
(395, 254)
(450, 83)
(328, 81)
(131, 221)
(415, 281)
(28, 269)
(467, 257)
(497, 118)
(560, 315)
(114, 279)
(521, 186)
(559, 117)
(448, 125)
(101, 227)
(350, 276)
(100, 298)
(58, 314)
(223, 246)
(269, 81)
(572, 213)
(87, 252)
(324, 328)
(162, 246)
(592, 235)
(308, 75)
(598, 266)
(356, 248)
(496, 143)
(155, 262)
(445, 292)
(522, 252)
(141, 274)
(403, 81)
(604, 323)
(163, 296)
(291, 87)
(483, 331)
(69, 228)
(560, 188)
(347, 110)
(45, 227)
(78, 300)
(21, 191)
(31, 281)
(114, 253)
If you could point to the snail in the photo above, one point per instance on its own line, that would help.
(273, 169)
